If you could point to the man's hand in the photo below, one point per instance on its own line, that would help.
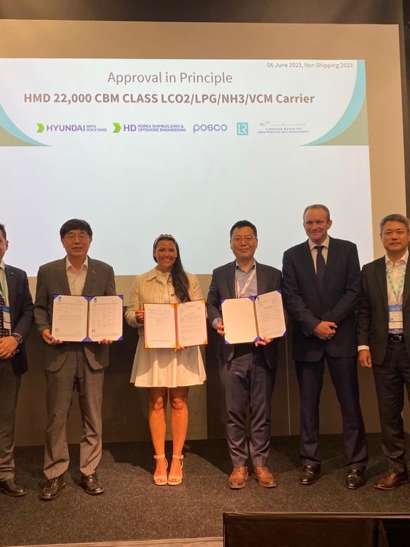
(8, 346)
(48, 339)
(220, 329)
(105, 342)
(325, 330)
(365, 359)
(263, 342)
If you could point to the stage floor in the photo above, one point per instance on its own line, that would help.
(134, 510)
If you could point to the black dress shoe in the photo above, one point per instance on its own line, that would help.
(11, 488)
(355, 479)
(309, 474)
(91, 484)
(53, 488)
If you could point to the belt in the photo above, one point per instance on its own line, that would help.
(396, 338)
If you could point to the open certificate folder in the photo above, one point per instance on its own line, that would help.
(87, 318)
(253, 318)
(175, 325)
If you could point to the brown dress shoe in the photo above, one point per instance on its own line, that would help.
(238, 478)
(264, 477)
(392, 480)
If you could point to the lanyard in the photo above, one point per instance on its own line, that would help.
(240, 292)
(396, 292)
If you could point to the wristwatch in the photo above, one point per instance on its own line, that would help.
(17, 337)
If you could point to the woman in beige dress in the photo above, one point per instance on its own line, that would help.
(167, 373)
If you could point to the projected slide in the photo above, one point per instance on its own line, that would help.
(140, 147)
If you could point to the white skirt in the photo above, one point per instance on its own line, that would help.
(167, 367)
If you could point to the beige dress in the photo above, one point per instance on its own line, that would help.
(162, 367)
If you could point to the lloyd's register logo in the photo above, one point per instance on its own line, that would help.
(242, 129)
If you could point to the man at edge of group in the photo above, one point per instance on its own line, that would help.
(384, 340)
(16, 318)
(72, 365)
(247, 371)
(321, 289)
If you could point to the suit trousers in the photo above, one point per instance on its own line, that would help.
(343, 372)
(9, 388)
(391, 377)
(248, 383)
(75, 374)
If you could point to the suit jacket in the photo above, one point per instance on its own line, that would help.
(223, 286)
(51, 280)
(21, 312)
(373, 321)
(308, 306)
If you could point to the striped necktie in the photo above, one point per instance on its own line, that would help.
(3, 331)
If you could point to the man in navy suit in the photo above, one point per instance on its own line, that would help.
(321, 289)
(247, 370)
(16, 318)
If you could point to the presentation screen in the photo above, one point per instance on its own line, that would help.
(169, 144)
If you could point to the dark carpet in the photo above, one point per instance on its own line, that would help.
(133, 508)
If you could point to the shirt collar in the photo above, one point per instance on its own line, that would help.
(403, 259)
(68, 264)
(237, 267)
(313, 245)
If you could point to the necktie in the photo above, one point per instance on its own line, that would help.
(3, 331)
(320, 266)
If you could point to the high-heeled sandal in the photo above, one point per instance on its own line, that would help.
(160, 480)
(173, 480)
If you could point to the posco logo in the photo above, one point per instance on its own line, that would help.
(209, 128)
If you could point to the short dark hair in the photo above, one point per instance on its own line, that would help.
(317, 206)
(75, 224)
(243, 224)
(395, 217)
(3, 230)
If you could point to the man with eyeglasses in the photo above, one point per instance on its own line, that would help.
(72, 365)
(383, 332)
(16, 318)
(321, 290)
(247, 371)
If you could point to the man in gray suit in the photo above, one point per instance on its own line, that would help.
(16, 318)
(383, 337)
(247, 371)
(72, 365)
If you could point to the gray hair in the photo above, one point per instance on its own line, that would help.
(395, 217)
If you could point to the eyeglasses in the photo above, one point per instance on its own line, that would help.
(246, 239)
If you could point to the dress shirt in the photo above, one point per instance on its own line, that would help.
(3, 281)
(76, 280)
(313, 250)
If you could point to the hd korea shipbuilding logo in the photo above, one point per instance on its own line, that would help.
(242, 129)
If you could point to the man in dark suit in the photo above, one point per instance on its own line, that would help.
(321, 289)
(72, 365)
(16, 318)
(247, 370)
(384, 339)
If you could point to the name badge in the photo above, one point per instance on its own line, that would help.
(6, 317)
(395, 317)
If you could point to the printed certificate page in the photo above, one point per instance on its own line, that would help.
(69, 318)
(105, 318)
(191, 323)
(269, 315)
(239, 320)
(159, 326)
